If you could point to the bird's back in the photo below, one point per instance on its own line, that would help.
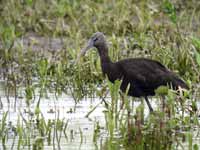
(145, 75)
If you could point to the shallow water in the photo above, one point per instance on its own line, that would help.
(76, 120)
(80, 130)
(65, 105)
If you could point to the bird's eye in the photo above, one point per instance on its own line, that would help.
(95, 39)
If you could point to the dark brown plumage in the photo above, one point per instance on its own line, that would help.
(143, 75)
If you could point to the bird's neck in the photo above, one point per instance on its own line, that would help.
(105, 61)
(103, 53)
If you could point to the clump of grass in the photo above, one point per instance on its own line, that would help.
(161, 130)
(163, 30)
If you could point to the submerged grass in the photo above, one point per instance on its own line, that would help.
(163, 30)
(166, 128)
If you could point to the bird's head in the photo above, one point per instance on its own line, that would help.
(96, 40)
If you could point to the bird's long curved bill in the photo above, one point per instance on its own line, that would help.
(84, 50)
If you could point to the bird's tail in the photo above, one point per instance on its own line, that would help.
(176, 83)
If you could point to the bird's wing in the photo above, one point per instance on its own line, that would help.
(146, 73)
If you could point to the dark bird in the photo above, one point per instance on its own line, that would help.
(144, 75)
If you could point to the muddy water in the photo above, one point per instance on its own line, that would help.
(65, 105)
(80, 130)
(68, 110)
(40, 43)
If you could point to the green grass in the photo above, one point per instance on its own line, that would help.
(167, 31)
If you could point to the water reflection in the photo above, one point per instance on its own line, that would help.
(80, 132)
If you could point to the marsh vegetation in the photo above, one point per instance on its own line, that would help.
(43, 90)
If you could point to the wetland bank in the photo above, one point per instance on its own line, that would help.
(49, 102)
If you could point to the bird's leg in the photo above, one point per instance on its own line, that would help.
(148, 103)
(165, 107)
(129, 125)
(163, 103)
(122, 99)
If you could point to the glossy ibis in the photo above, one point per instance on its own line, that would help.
(144, 75)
